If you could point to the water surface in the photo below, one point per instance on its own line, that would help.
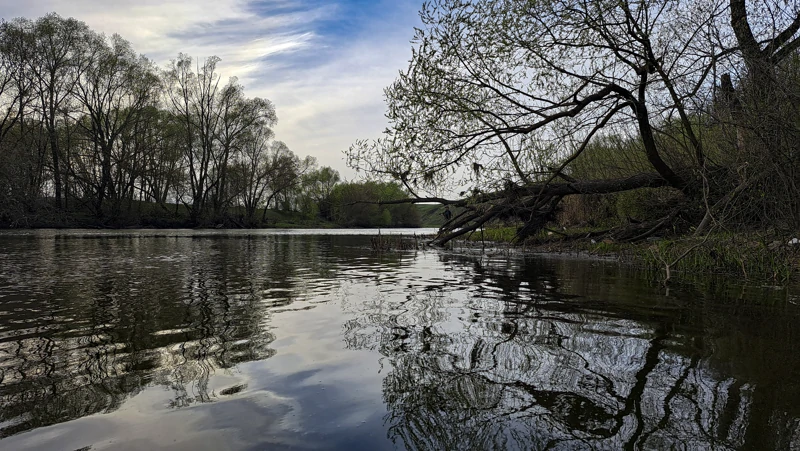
(310, 340)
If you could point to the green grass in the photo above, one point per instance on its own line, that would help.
(495, 234)
(747, 256)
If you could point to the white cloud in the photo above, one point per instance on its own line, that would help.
(161, 29)
(323, 112)
(328, 107)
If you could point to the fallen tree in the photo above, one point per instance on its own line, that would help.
(538, 201)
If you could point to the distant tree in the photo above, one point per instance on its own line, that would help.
(14, 98)
(218, 123)
(86, 121)
(193, 99)
(400, 214)
(155, 139)
(252, 170)
(318, 186)
(359, 204)
(285, 175)
(238, 116)
(15, 80)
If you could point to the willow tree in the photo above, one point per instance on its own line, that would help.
(238, 116)
(252, 170)
(114, 92)
(59, 55)
(502, 95)
(193, 99)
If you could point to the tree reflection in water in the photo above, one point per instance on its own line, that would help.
(133, 313)
(520, 354)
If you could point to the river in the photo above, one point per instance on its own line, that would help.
(244, 340)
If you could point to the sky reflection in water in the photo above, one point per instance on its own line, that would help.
(215, 340)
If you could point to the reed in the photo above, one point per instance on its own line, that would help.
(388, 243)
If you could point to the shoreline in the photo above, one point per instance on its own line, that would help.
(759, 257)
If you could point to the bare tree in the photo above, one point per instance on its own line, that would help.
(253, 170)
(238, 116)
(85, 119)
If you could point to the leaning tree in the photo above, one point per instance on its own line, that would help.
(501, 96)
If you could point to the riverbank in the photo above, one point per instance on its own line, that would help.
(765, 257)
(73, 220)
(145, 215)
(140, 214)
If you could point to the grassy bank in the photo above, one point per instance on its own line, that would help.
(763, 257)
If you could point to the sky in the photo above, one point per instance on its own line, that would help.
(323, 63)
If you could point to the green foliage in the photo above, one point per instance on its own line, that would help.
(611, 156)
(433, 215)
(358, 205)
(317, 187)
(511, 99)
(616, 156)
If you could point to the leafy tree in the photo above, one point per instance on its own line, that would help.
(114, 91)
(318, 187)
(359, 205)
(501, 96)
(60, 54)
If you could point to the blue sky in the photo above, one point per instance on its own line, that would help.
(323, 63)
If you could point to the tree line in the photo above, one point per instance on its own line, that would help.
(92, 132)
(681, 113)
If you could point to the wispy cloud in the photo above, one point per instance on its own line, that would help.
(323, 63)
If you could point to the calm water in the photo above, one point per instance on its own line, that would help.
(278, 340)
